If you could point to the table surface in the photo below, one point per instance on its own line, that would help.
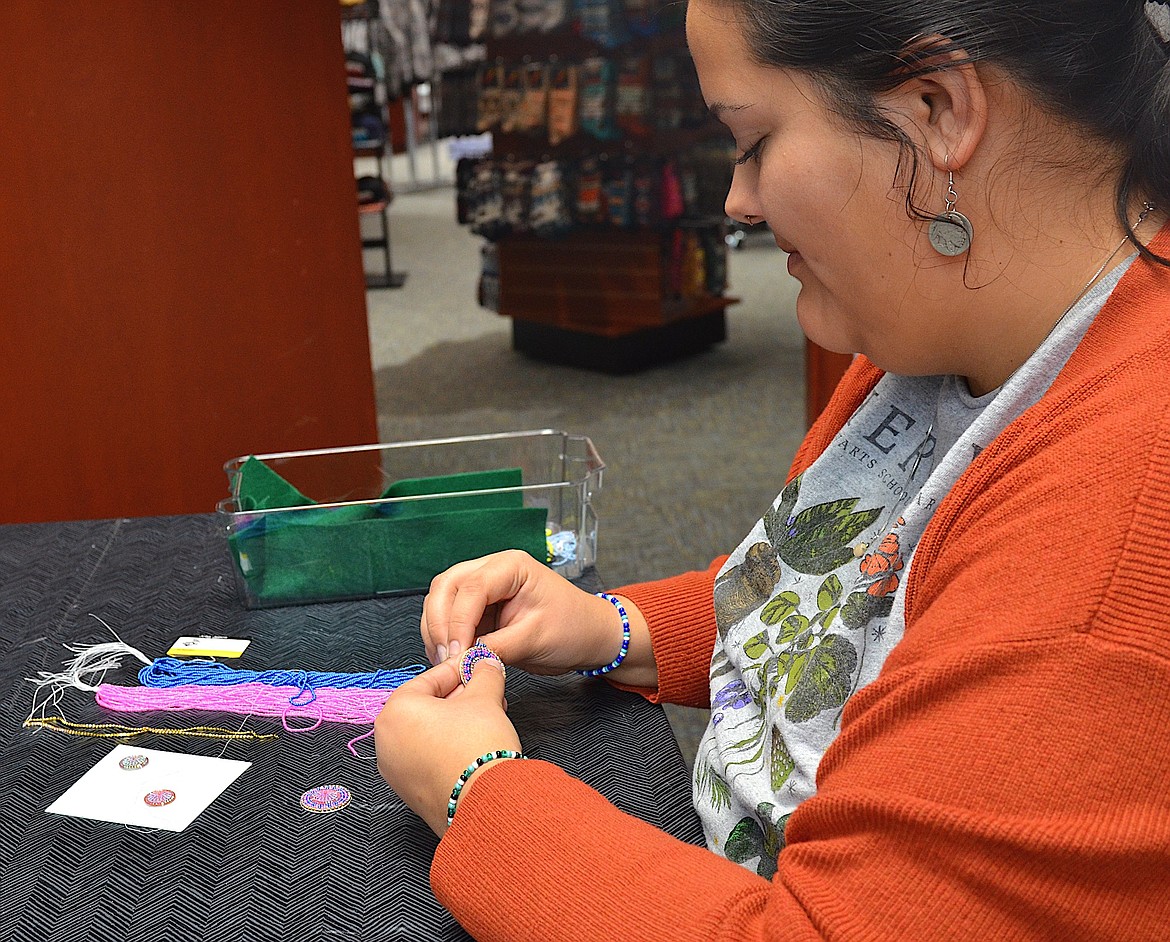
(253, 865)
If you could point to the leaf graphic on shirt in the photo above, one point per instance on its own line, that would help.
(861, 607)
(829, 593)
(792, 664)
(818, 540)
(824, 681)
(793, 627)
(748, 840)
(778, 519)
(780, 764)
(716, 785)
(756, 645)
(766, 811)
(780, 608)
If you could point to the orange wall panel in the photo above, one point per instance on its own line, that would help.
(180, 261)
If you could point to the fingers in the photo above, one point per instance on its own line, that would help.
(438, 682)
(461, 603)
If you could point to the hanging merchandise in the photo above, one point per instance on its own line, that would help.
(642, 17)
(619, 194)
(486, 201)
(555, 16)
(464, 174)
(399, 37)
(672, 204)
(549, 215)
(597, 77)
(531, 16)
(670, 76)
(532, 112)
(562, 101)
(488, 102)
(694, 267)
(590, 204)
(505, 18)
(647, 208)
(479, 19)
(488, 288)
(675, 250)
(632, 102)
(511, 97)
(707, 177)
(596, 111)
(715, 254)
(602, 21)
(517, 191)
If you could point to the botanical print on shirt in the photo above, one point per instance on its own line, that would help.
(810, 604)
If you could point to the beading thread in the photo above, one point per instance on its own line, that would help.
(467, 772)
(625, 648)
(172, 672)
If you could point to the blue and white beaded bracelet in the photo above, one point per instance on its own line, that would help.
(481, 761)
(625, 648)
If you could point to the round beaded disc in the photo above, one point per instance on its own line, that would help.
(325, 799)
(476, 653)
(159, 797)
(132, 763)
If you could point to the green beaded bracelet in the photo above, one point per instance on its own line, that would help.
(482, 760)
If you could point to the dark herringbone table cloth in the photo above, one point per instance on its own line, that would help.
(254, 865)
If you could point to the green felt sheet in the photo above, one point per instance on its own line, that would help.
(318, 553)
(448, 483)
(261, 488)
(368, 557)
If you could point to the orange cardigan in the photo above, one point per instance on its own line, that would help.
(1007, 776)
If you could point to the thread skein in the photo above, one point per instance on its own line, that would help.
(172, 672)
(354, 707)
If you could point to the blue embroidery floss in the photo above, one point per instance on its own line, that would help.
(173, 672)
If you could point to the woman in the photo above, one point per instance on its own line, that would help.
(938, 666)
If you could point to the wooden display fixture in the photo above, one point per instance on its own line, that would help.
(602, 297)
(598, 299)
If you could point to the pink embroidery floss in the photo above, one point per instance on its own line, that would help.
(356, 707)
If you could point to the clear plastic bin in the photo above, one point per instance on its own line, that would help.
(351, 541)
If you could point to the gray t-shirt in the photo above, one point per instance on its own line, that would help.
(808, 606)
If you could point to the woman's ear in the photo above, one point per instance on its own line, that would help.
(944, 109)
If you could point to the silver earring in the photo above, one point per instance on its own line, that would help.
(950, 231)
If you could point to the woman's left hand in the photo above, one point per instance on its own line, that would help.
(432, 728)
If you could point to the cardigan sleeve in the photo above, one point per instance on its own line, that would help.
(680, 612)
(954, 801)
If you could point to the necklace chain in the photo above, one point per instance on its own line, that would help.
(1147, 208)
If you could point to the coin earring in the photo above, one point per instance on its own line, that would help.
(950, 231)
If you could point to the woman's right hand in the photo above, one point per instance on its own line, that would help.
(530, 617)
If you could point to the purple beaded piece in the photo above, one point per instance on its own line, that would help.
(133, 763)
(476, 653)
(325, 799)
(159, 797)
